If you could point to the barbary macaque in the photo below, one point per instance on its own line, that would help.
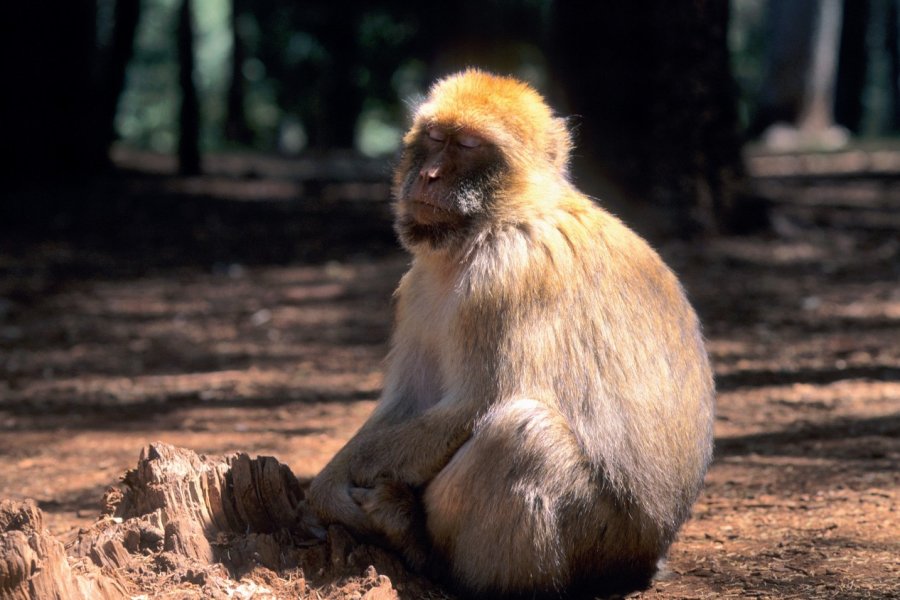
(546, 419)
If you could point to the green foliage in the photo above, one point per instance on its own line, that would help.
(304, 63)
(314, 66)
(148, 110)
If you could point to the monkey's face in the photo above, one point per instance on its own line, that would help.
(446, 180)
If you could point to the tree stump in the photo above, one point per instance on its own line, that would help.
(218, 527)
(34, 565)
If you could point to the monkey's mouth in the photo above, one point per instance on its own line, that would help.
(427, 212)
(421, 204)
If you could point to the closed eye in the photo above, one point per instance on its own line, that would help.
(436, 135)
(468, 141)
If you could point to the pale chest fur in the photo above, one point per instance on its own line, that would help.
(428, 317)
(430, 305)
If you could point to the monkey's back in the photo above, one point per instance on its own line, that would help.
(598, 324)
(654, 372)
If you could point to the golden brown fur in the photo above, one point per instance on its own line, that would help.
(546, 418)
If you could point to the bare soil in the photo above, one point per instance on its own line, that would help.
(252, 314)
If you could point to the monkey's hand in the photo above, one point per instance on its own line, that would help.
(329, 497)
(395, 511)
(389, 505)
(308, 522)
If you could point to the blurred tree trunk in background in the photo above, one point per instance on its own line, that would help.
(801, 86)
(62, 87)
(789, 31)
(816, 116)
(853, 65)
(339, 100)
(189, 116)
(118, 54)
(236, 127)
(892, 40)
(651, 86)
(47, 119)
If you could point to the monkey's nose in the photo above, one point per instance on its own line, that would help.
(430, 173)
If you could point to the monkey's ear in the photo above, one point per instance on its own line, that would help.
(559, 145)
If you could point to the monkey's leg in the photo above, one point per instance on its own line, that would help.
(517, 508)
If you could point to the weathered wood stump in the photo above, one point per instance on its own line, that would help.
(34, 565)
(221, 527)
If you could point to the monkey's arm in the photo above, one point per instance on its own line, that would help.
(412, 451)
(397, 441)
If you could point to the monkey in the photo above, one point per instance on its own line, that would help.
(546, 418)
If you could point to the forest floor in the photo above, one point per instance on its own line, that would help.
(223, 314)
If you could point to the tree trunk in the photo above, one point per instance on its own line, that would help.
(817, 111)
(892, 43)
(340, 99)
(236, 128)
(189, 115)
(789, 31)
(798, 93)
(657, 119)
(121, 48)
(853, 65)
(46, 117)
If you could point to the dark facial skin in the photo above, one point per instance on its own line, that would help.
(451, 180)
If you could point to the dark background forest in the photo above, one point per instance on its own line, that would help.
(196, 247)
(661, 95)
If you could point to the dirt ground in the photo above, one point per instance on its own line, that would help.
(252, 314)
